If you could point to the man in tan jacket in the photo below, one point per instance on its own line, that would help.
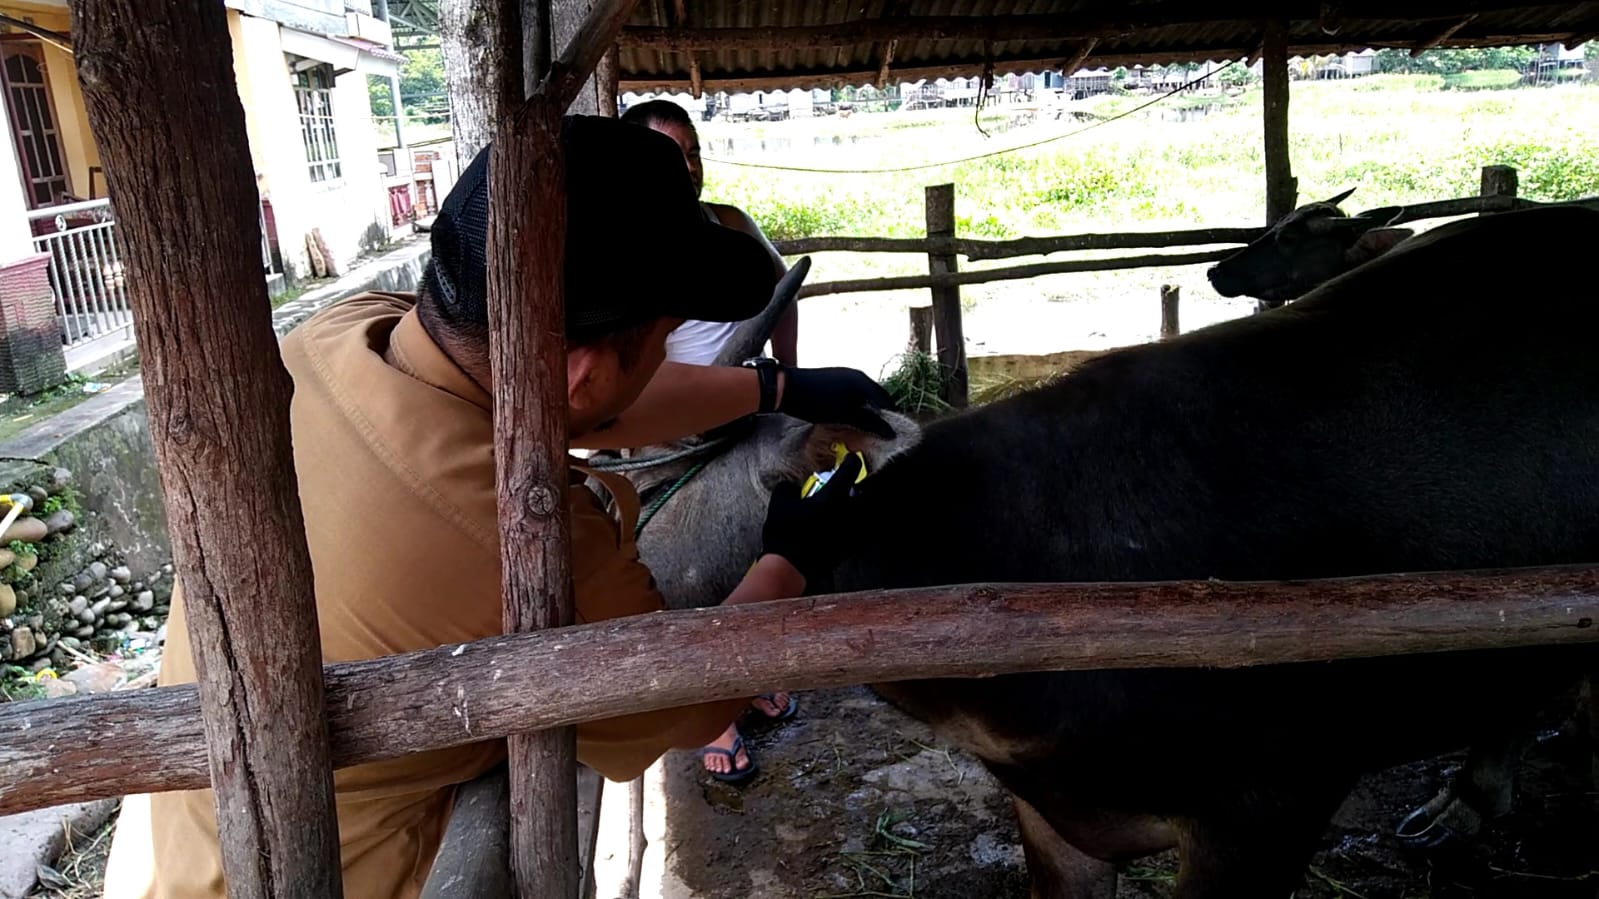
(393, 445)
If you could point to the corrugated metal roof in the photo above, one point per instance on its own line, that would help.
(793, 50)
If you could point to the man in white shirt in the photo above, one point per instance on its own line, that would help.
(698, 342)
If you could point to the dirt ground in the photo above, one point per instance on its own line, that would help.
(855, 799)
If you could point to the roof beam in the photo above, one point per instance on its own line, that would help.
(888, 59)
(683, 39)
(1443, 35)
(1075, 61)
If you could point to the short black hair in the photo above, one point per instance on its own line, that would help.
(658, 112)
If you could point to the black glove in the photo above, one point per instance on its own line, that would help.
(835, 396)
(812, 533)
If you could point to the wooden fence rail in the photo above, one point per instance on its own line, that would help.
(151, 740)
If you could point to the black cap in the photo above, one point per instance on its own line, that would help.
(638, 248)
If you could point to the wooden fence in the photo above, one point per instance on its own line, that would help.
(944, 279)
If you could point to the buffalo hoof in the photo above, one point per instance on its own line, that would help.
(1444, 820)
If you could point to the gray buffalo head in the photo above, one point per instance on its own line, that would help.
(1305, 249)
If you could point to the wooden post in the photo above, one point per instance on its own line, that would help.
(527, 338)
(158, 81)
(1168, 311)
(472, 856)
(1499, 181)
(636, 841)
(1282, 190)
(921, 330)
(946, 299)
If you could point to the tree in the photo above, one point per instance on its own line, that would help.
(421, 84)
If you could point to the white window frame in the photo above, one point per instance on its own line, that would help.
(313, 95)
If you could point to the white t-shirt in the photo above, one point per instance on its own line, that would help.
(697, 343)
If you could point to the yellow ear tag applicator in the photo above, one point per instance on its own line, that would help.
(818, 480)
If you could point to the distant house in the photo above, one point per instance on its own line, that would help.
(300, 70)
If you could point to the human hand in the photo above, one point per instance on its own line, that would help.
(811, 532)
(835, 396)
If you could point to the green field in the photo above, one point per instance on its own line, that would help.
(1398, 139)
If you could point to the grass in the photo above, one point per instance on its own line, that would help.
(18, 413)
(80, 872)
(1397, 139)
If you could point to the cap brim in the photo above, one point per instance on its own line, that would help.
(726, 276)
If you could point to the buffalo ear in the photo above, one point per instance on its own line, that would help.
(1374, 243)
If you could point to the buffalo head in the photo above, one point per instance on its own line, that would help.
(1305, 249)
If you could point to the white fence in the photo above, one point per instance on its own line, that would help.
(85, 270)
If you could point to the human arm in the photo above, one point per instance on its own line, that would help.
(682, 400)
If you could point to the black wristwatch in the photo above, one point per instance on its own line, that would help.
(766, 368)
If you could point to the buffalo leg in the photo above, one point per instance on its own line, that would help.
(1259, 852)
(1056, 868)
(1482, 790)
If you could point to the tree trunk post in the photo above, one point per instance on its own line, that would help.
(1499, 181)
(1168, 311)
(946, 298)
(158, 81)
(1282, 190)
(921, 330)
(527, 338)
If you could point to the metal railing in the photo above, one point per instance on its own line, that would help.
(86, 270)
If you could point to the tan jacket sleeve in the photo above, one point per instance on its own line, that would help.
(610, 582)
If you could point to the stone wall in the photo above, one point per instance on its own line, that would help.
(63, 590)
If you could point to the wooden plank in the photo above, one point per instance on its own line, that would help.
(157, 78)
(1169, 298)
(976, 249)
(95, 747)
(1079, 56)
(1473, 205)
(1282, 191)
(527, 237)
(946, 296)
(1009, 273)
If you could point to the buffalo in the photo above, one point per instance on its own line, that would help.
(1367, 428)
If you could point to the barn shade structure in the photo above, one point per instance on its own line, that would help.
(267, 722)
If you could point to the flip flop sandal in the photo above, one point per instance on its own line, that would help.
(757, 716)
(737, 775)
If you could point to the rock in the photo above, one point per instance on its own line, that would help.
(71, 643)
(36, 622)
(86, 616)
(167, 568)
(8, 600)
(99, 607)
(22, 643)
(55, 688)
(97, 570)
(98, 678)
(116, 591)
(60, 659)
(84, 632)
(39, 665)
(155, 576)
(59, 479)
(7, 557)
(130, 628)
(39, 495)
(118, 619)
(117, 605)
(121, 574)
(59, 520)
(99, 591)
(78, 604)
(82, 582)
(150, 624)
(27, 529)
(144, 602)
(27, 562)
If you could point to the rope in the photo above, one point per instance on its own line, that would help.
(656, 503)
(626, 465)
(935, 165)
